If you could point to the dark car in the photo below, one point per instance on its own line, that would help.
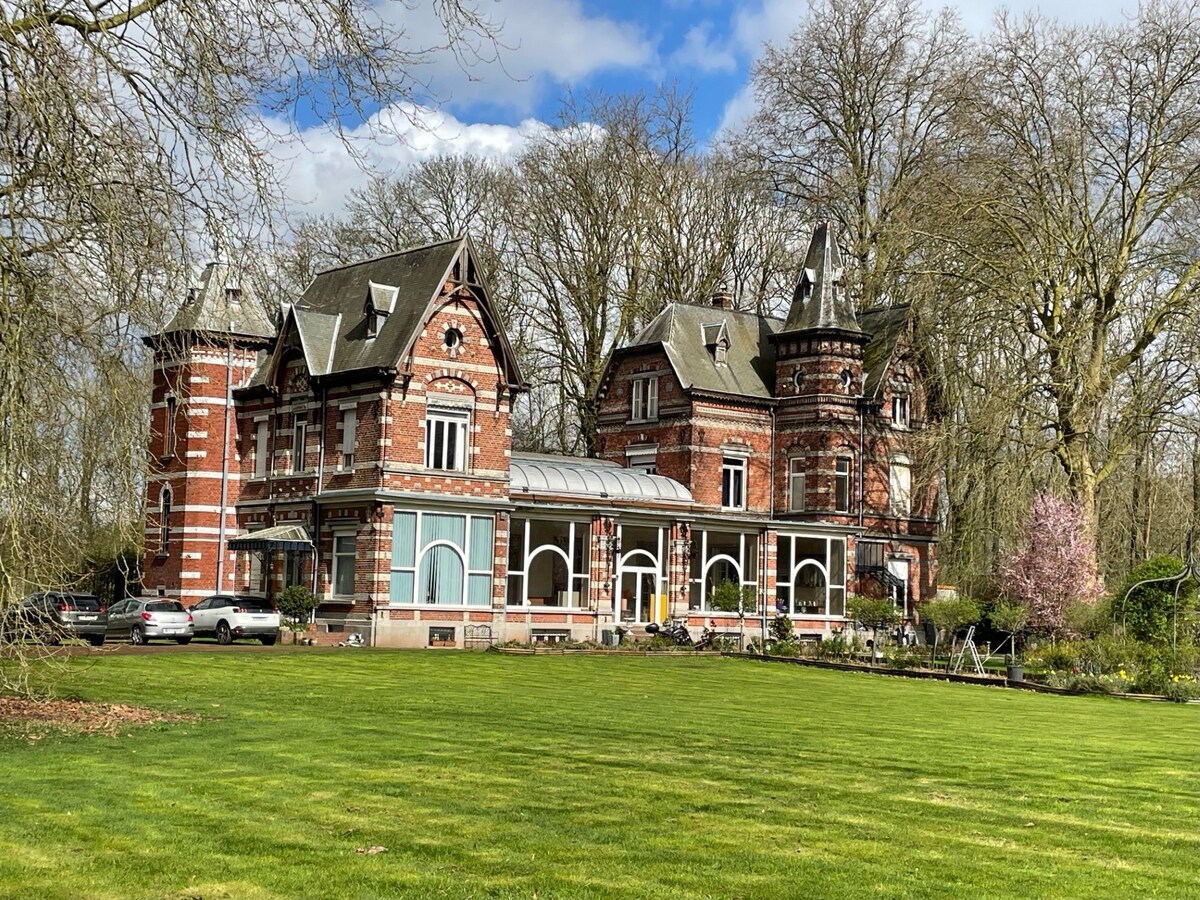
(51, 616)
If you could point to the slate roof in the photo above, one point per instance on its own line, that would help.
(820, 300)
(218, 306)
(590, 479)
(330, 316)
(886, 325)
(684, 331)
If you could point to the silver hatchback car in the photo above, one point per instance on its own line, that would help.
(142, 618)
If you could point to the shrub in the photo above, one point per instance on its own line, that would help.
(296, 603)
(781, 629)
(783, 648)
(1091, 684)
(904, 658)
(1182, 688)
(877, 613)
(728, 596)
(1150, 612)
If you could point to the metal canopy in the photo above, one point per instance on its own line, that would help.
(590, 479)
(280, 537)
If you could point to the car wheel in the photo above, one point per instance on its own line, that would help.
(183, 640)
(96, 640)
(224, 635)
(137, 637)
(269, 640)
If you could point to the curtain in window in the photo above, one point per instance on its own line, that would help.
(441, 576)
(401, 587)
(442, 527)
(480, 556)
(404, 539)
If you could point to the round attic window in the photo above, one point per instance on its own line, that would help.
(847, 378)
(453, 338)
(798, 379)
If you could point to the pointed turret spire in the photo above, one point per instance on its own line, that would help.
(820, 300)
(218, 306)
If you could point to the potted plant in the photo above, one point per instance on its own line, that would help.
(728, 596)
(296, 604)
(877, 613)
(1011, 619)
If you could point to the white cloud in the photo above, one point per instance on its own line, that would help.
(542, 44)
(699, 51)
(319, 167)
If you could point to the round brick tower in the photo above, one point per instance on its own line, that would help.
(818, 385)
(209, 348)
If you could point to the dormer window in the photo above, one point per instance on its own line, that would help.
(716, 340)
(375, 320)
(381, 300)
(644, 399)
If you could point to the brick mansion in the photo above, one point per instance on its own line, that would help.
(362, 446)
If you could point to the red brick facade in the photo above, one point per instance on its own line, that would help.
(424, 531)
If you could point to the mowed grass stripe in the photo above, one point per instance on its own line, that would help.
(494, 776)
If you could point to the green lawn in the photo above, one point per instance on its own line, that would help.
(496, 776)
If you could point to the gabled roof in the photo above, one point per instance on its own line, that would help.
(330, 317)
(820, 300)
(685, 333)
(886, 325)
(218, 306)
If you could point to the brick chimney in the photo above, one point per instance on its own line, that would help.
(722, 299)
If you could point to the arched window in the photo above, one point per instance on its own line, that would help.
(164, 521)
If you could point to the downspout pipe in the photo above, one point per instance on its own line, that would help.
(225, 465)
(316, 514)
(763, 567)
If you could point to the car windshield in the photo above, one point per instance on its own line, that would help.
(254, 604)
(82, 602)
(165, 606)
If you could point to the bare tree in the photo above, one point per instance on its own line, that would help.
(124, 129)
(855, 109)
(1075, 206)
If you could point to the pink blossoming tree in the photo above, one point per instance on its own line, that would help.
(1054, 567)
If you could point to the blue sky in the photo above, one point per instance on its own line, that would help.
(707, 47)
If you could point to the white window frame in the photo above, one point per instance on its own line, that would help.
(835, 578)
(796, 483)
(261, 447)
(900, 486)
(447, 417)
(644, 399)
(464, 554)
(748, 558)
(901, 410)
(642, 458)
(170, 411)
(578, 584)
(731, 467)
(847, 475)
(165, 498)
(349, 435)
(339, 559)
(299, 440)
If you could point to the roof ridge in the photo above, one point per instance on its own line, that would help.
(381, 256)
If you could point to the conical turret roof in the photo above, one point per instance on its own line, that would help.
(820, 301)
(218, 306)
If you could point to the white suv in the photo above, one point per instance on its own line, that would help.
(228, 618)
